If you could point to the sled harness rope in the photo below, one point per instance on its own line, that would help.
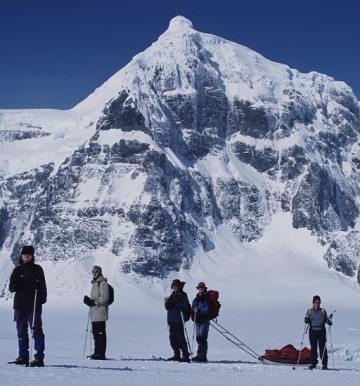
(233, 339)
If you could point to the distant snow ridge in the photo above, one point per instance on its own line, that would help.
(194, 134)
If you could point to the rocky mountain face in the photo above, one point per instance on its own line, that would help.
(196, 133)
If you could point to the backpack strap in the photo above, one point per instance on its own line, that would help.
(324, 314)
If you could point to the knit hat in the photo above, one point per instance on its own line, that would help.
(316, 298)
(96, 268)
(175, 282)
(201, 285)
(27, 250)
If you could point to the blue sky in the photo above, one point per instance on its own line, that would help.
(54, 53)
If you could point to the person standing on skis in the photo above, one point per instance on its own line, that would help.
(176, 305)
(316, 317)
(200, 315)
(28, 282)
(99, 311)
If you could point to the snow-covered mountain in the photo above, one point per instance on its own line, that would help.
(196, 135)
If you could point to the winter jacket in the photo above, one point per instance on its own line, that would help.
(24, 280)
(202, 303)
(100, 295)
(177, 302)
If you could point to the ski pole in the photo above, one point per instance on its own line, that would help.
(332, 350)
(86, 333)
(324, 351)
(32, 325)
(302, 342)
(329, 333)
(193, 337)
(186, 334)
(91, 340)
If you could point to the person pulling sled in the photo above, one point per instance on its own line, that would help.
(317, 317)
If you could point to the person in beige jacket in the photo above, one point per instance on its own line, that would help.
(99, 311)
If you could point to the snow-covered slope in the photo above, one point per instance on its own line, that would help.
(196, 137)
(265, 290)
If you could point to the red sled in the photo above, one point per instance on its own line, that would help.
(287, 355)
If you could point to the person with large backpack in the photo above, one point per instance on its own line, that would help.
(99, 311)
(316, 317)
(200, 314)
(178, 312)
(28, 282)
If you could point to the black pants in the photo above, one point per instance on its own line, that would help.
(318, 337)
(177, 339)
(99, 334)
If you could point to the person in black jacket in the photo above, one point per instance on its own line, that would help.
(200, 310)
(177, 305)
(28, 282)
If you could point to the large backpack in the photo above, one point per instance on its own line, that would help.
(111, 295)
(214, 304)
(187, 312)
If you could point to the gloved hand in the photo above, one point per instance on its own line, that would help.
(330, 322)
(307, 320)
(88, 301)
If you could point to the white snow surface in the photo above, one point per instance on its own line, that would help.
(265, 289)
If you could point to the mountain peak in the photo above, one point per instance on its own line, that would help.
(195, 136)
(178, 23)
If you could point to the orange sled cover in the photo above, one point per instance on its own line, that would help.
(287, 355)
